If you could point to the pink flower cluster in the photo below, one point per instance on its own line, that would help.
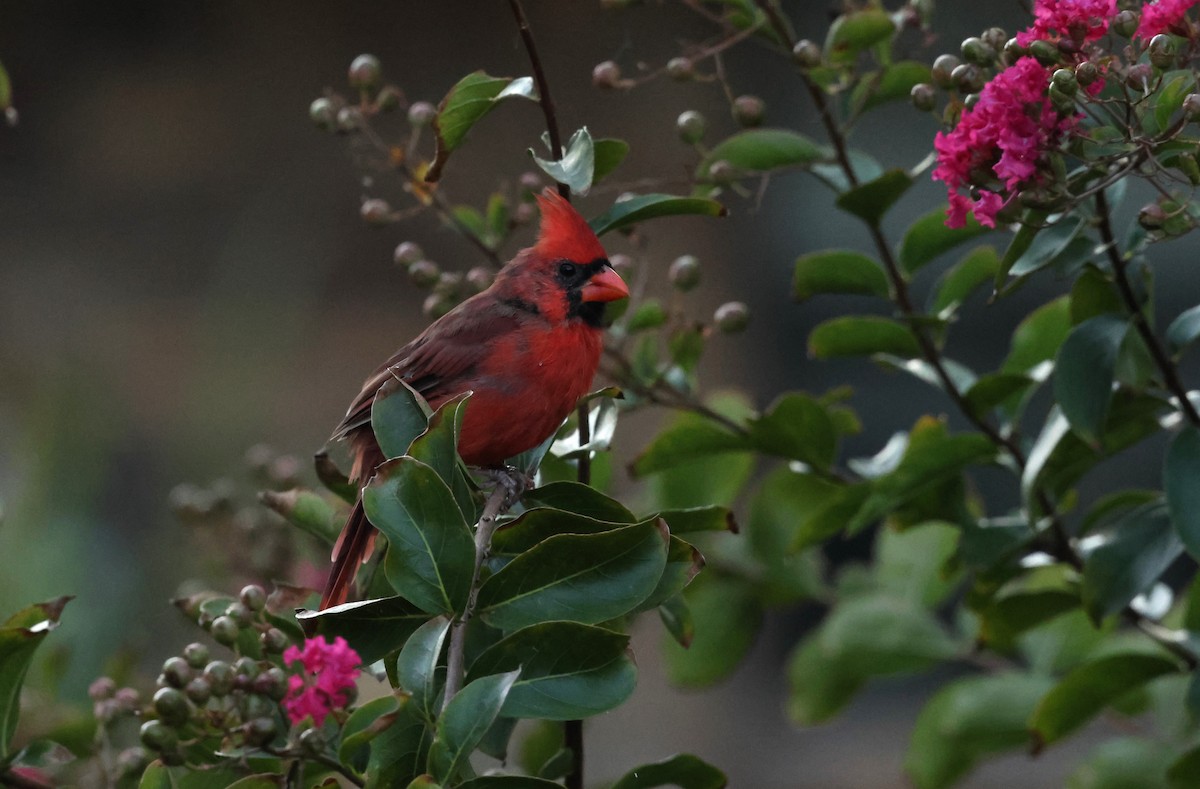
(329, 672)
(1078, 20)
(1160, 17)
(1007, 131)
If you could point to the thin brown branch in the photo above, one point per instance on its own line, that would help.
(543, 87)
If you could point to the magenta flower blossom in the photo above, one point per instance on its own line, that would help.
(1160, 17)
(1079, 20)
(1007, 132)
(328, 674)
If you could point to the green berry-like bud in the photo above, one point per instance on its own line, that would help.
(721, 172)
(731, 317)
(407, 253)
(1045, 53)
(684, 272)
(364, 71)
(1063, 102)
(1138, 76)
(1162, 51)
(388, 98)
(748, 110)
(272, 683)
(975, 50)
(1125, 23)
(198, 690)
(606, 75)
(924, 96)
(479, 279)
(995, 37)
(1191, 106)
(239, 613)
(102, 688)
(436, 305)
(172, 707)
(806, 53)
(424, 273)
(1152, 216)
(421, 114)
(225, 630)
(1014, 51)
(968, 78)
(274, 641)
(376, 211)
(255, 706)
(312, 742)
(1064, 80)
(220, 677)
(1086, 73)
(260, 731)
(691, 126)
(253, 597)
(176, 672)
(348, 120)
(196, 655)
(157, 736)
(680, 69)
(245, 666)
(942, 71)
(323, 113)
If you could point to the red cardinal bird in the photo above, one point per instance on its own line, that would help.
(528, 348)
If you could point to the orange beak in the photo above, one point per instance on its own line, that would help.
(605, 285)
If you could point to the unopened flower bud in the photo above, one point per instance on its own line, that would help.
(748, 111)
(995, 37)
(127, 699)
(1013, 50)
(691, 126)
(807, 53)
(1063, 102)
(721, 172)
(1125, 23)
(424, 273)
(260, 731)
(101, 688)
(323, 113)
(348, 120)
(1188, 165)
(1152, 216)
(254, 597)
(272, 683)
(479, 279)
(407, 253)
(1064, 79)
(132, 761)
(388, 98)
(1138, 76)
(680, 69)
(943, 71)
(198, 690)
(274, 641)
(684, 272)
(376, 211)
(968, 78)
(312, 741)
(225, 631)
(731, 317)
(1046, 53)
(157, 736)
(1086, 73)
(436, 305)
(176, 672)
(924, 96)
(975, 50)
(449, 283)
(1162, 51)
(172, 707)
(606, 74)
(1191, 106)
(421, 113)
(220, 677)
(364, 71)
(239, 613)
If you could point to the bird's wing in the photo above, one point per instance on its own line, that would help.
(439, 362)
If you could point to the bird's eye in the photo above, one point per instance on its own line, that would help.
(567, 270)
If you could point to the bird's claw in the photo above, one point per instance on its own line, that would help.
(513, 480)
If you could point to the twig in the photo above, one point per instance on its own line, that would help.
(496, 504)
(321, 759)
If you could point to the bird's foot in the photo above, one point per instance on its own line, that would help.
(513, 480)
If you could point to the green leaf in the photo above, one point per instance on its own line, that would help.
(1183, 331)
(431, 553)
(726, 615)
(928, 237)
(685, 441)
(961, 279)
(893, 82)
(508, 782)
(577, 165)
(1009, 616)
(20, 636)
(762, 150)
(783, 502)
(1140, 550)
(1088, 689)
(1184, 772)
(398, 752)
(1038, 337)
(1124, 763)
(579, 499)
(861, 335)
(693, 519)
(831, 516)
(1176, 85)
(535, 526)
(308, 511)
(838, 271)
(648, 315)
(684, 562)
(5, 89)
(851, 33)
(373, 627)
(465, 720)
(437, 446)
(1083, 373)
(366, 723)
(796, 426)
(416, 668)
(870, 201)
(865, 168)
(969, 720)
(688, 475)
(467, 102)
(609, 155)
(585, 578)
(568, 670)
(398, 415)
(642, 207)
(1034, 248)
(1183, 494)
(990, 391)
(912, 563)
(685, 771)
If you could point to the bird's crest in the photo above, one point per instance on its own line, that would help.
(565, 234)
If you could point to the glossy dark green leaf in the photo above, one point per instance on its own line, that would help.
(1007, 617)
(437, 445)
(1039, 336)
(1176, 85)
(685, 441)
(1034, 246)
(373, 627)
(685, 474)
(398, 415)
(1184, 772)
(837, 271)
(652, 206)
(400, 751)
(416, 668)
(762, 150)
(677, 618)
(1184, 330)
(1143, 545)
(1088, 689)
(861, 335)
(853, 32)
(866, 168)
(990, 391)
(893, 82)
(609, 155)
(537, 525)
(870, 201)
(577, 165)
(431, 553)
(830, 516)
(1083, 373)
(928, 237)
(684, 771)
(585, 578)
(580, 499)
(726, 615)
(796, 426)
(464, 722)
(1181, 477)
(260, 781)
(20, 636)
(912, 564)
(1123, 763)
(467, 102)
(960, 280)
(568, 670)
(969, 720)
(307, 510)
(367, 722)
(694, 519)
(684, 562)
